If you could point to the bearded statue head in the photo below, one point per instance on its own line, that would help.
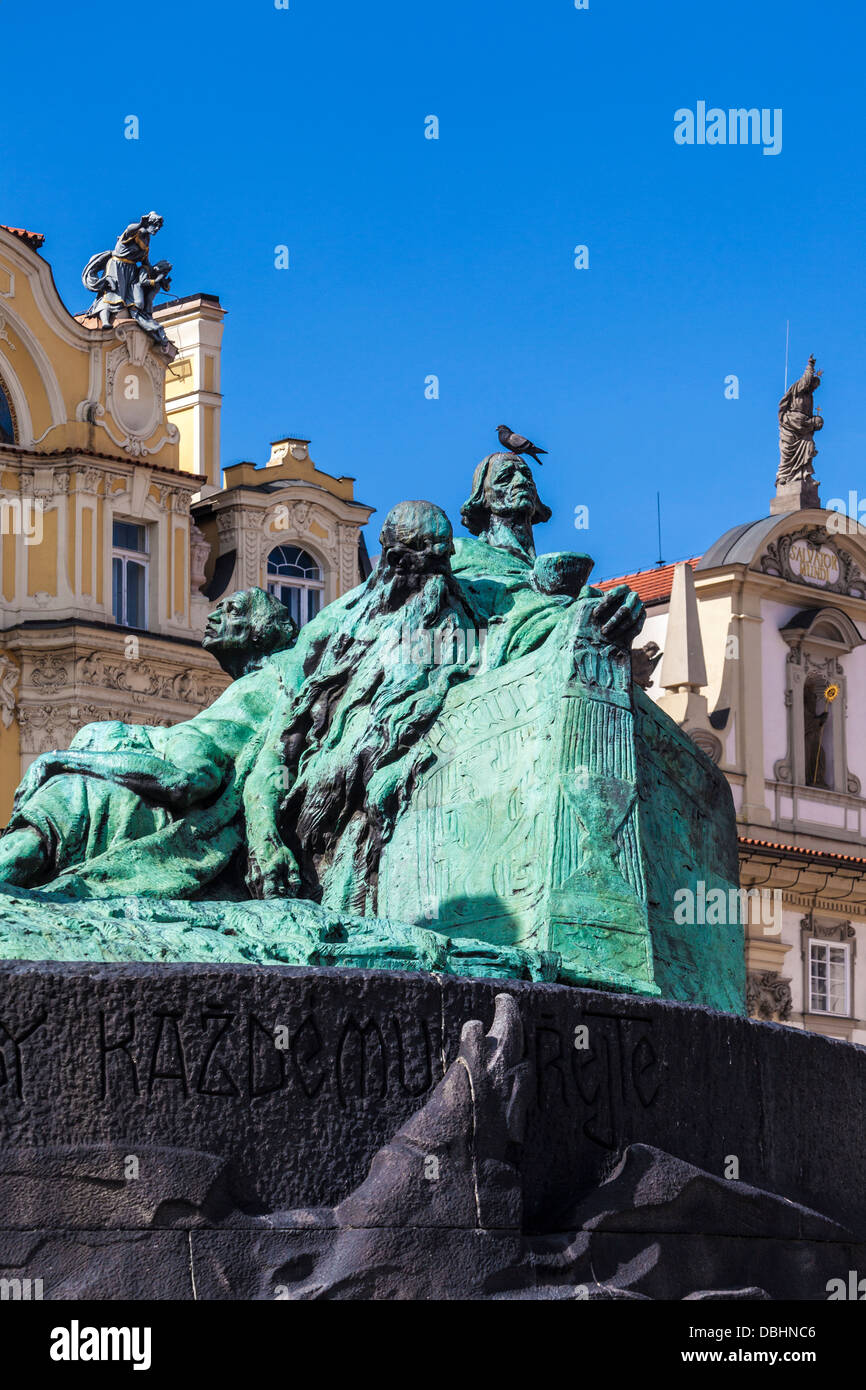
(332, 753)
(417, 541)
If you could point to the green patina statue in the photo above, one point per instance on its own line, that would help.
(133, 809)
(449, 768)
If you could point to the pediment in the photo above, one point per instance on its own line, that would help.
(812, 556)
(825, 627)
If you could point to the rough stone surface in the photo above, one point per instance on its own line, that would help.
(234, 1132)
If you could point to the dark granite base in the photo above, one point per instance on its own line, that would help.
(207, 1131)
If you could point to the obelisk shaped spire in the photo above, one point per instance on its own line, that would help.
(683, 665)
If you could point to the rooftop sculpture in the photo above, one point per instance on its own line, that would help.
(799, 422)
(125, 283)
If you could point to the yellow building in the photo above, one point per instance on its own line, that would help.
(116, 532)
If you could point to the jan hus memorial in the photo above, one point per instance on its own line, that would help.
(367, 980)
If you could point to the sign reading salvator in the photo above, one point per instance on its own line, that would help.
(814, 564)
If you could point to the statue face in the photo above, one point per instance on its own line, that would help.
(228, 627)
(509, 488)
(416, 542)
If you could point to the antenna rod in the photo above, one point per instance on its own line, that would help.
(787, 336)
(659, 561)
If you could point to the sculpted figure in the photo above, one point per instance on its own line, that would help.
(125, 282)
(643, 662)
(814, 719)
(246, 629)
(329, 731)
(151, 280)
(503, 507)
(797, 426)
(340, 760)
(521, 595)
(174, 791)
(340, 764)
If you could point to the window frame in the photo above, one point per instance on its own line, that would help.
(828, 944)
(275, 582)
(127, 557)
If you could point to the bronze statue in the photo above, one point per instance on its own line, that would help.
(350, 739)
(122, 783)
(350, 787)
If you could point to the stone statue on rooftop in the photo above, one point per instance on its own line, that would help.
(125, 283)
(798, 423)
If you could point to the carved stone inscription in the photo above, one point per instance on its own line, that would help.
(223, 1053)
(600, 1073)
(597, 1068)
(17, 1048)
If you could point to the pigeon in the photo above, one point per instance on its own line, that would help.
(516, 444)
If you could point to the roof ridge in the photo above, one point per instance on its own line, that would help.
(800, 849)
(32, 239)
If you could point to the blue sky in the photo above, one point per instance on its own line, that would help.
(454, 257)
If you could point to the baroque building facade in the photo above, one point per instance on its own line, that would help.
(118, 529)
(757, 649)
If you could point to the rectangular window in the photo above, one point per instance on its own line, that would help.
(302, 602)
(129, 572)
(829, 978)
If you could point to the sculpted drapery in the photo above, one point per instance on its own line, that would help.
(798, 423)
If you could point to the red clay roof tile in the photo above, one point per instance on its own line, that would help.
(799, 849)
(32, 239)
(653, 586)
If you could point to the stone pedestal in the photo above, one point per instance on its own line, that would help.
(795, 497)
(227, 1132)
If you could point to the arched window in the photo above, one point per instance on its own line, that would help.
(297, 581)
(7, 422)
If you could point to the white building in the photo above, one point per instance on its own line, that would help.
(764, 664)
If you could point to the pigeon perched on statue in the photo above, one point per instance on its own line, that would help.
(518, 444)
